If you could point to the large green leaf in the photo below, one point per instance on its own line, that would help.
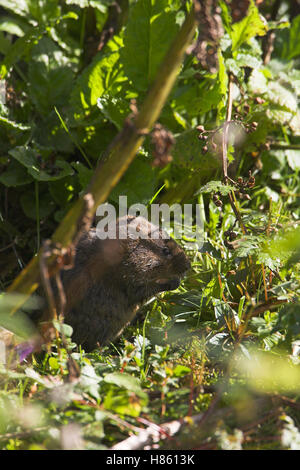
(250, 26)
(50, 75)
(149, 32)
(103, 75)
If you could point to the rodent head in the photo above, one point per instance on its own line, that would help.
(152, 262)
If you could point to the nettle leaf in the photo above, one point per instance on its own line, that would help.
(258, 83)
(15, 26)
(148, 35)
(215, 187)
(28, 157)
(101, 6)
(187, 153)
(197, 98)
(248, 245)
(18, 7)
(293, 158)
(280, 95)
(248, 60)
(250, 26)
(50, 75)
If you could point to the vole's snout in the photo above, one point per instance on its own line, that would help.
(182, 264)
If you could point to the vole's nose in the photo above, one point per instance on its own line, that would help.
(183, 264)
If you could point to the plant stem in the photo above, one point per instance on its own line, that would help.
(37, 214)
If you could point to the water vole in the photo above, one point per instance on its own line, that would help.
(111, 278)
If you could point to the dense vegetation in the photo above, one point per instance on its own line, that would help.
(222, 350)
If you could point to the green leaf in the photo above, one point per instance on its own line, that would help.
(28, 157)
(226, 17)
(15, 175)
(138, 183)
(103, 75)
(250, 26)
(291, 47)
(187, 153)
(50, 75)
(148, 35)
(293, 158)
(19, 323)
(101, 6)
(7, 124)
(84, 173)
(20, 48)
(18, 7)
(248, 60)
(28, 202)
(197, 97)
(125, 381)
(13, 26)
(216, 186)
(258, 83)
(115, 109)
(63, 328)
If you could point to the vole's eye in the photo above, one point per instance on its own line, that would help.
(166, 251)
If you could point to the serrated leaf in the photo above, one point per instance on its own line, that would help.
(248, 60)
(281, 96)
(216, 186)
(101, 6)
(258, 84)
(149, 32)
(250, 26)
(197, 98)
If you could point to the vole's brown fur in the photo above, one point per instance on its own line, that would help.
(111, 278)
